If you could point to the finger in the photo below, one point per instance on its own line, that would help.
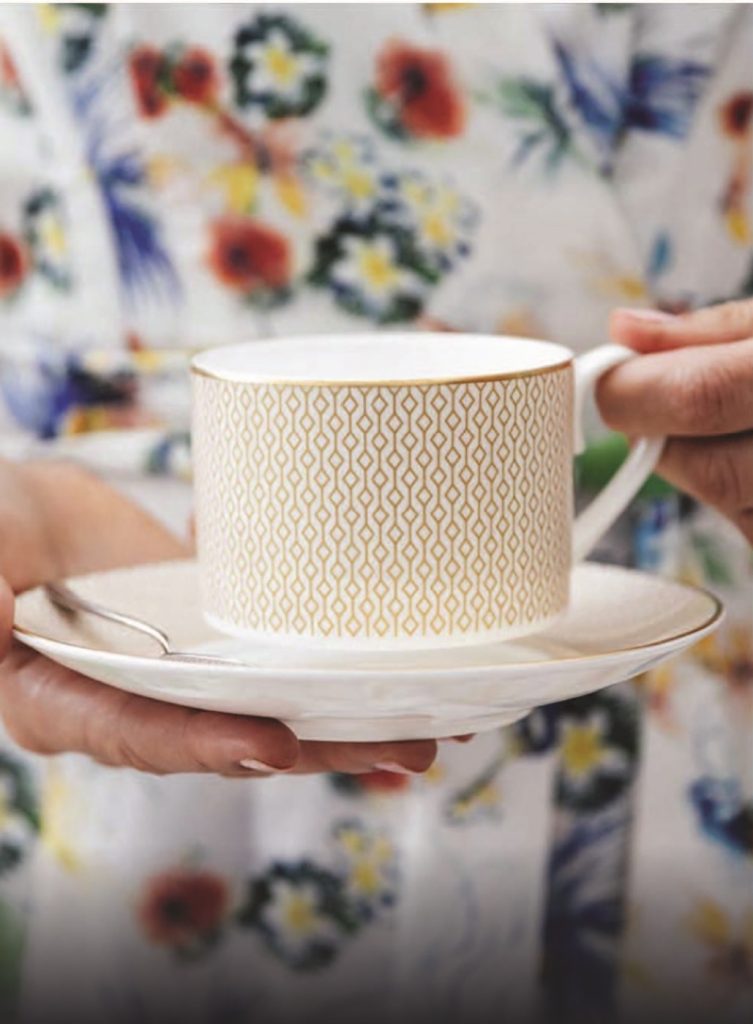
(699, 392)
(405, 758)
(716, 470)
(650, 330)
(50, 709)
(6, 617)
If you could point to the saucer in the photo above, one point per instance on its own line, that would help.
(619, 623)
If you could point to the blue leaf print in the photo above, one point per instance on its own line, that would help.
(144, 264)
(598, 99)
(585, 915)
(723, 814)
(663, 93)
(37, 396)
(40, 392)
(660, 257)
(659, 96)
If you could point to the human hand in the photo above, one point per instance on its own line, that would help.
(56, 521)
(694, 385)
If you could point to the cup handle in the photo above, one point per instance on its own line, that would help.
(596, 518)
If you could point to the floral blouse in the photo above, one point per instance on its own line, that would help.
(178, 176)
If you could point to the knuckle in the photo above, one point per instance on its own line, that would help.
(119, 749)
(718, 476)
(736, 316)
(123, 754)
(195, 731)
(21, 734)
(700, 400)
(15, 711)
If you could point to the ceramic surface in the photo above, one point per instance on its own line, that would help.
(378, 505)
(619, 623)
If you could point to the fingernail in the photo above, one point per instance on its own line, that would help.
(650, 315)
(259, 766)
(398, 769)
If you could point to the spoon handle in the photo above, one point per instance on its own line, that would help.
(68, 599)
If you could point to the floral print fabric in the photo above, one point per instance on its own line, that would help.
(173, 182)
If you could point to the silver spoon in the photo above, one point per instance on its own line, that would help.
(67, 599)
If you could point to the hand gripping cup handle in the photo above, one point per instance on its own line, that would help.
(596, 518)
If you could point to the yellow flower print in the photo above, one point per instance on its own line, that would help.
(613, 282)
(51, 235)
(435, 774)
(738, 225)
(44, 228)
(729, 651)
(295, 917)
(352, 840)
(729, 942)
(416, 192)
(436, 211)
(345, 152)
(291, 195)
(376, 268)
(365, 878)
(358, 184)
(436, 229)
(280, 62)
(585, 753)
(370, 266)
(322, 170)
(346, 166)
(271, 163)
(59, 821)
(581, 749)
(239, 185)
(520, 322)
(729, 654)
(368, 865)
(278, 68)
(359, 844)
(658, 685)
(298, 912)
(485, 798)
(49, 17)
(441, 218)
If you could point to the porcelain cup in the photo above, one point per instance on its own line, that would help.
(396, 490)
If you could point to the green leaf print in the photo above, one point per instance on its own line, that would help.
(11, 949)
(713, 563)
(533, 103)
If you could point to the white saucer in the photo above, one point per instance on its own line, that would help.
(619, 624)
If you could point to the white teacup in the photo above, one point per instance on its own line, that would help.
(395, 490)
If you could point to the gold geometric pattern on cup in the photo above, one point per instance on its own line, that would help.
(384, 511)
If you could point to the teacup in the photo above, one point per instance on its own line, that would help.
(397, 490)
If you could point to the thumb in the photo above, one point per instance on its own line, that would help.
(6, 617)
(651, 330)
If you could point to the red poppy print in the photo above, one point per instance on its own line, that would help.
(420, 86)
(736, 123)
(182, 908)
(736, 114)
(147, 67)
(8, 74)
(249, 256)
(195, 77)
(14, 264)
